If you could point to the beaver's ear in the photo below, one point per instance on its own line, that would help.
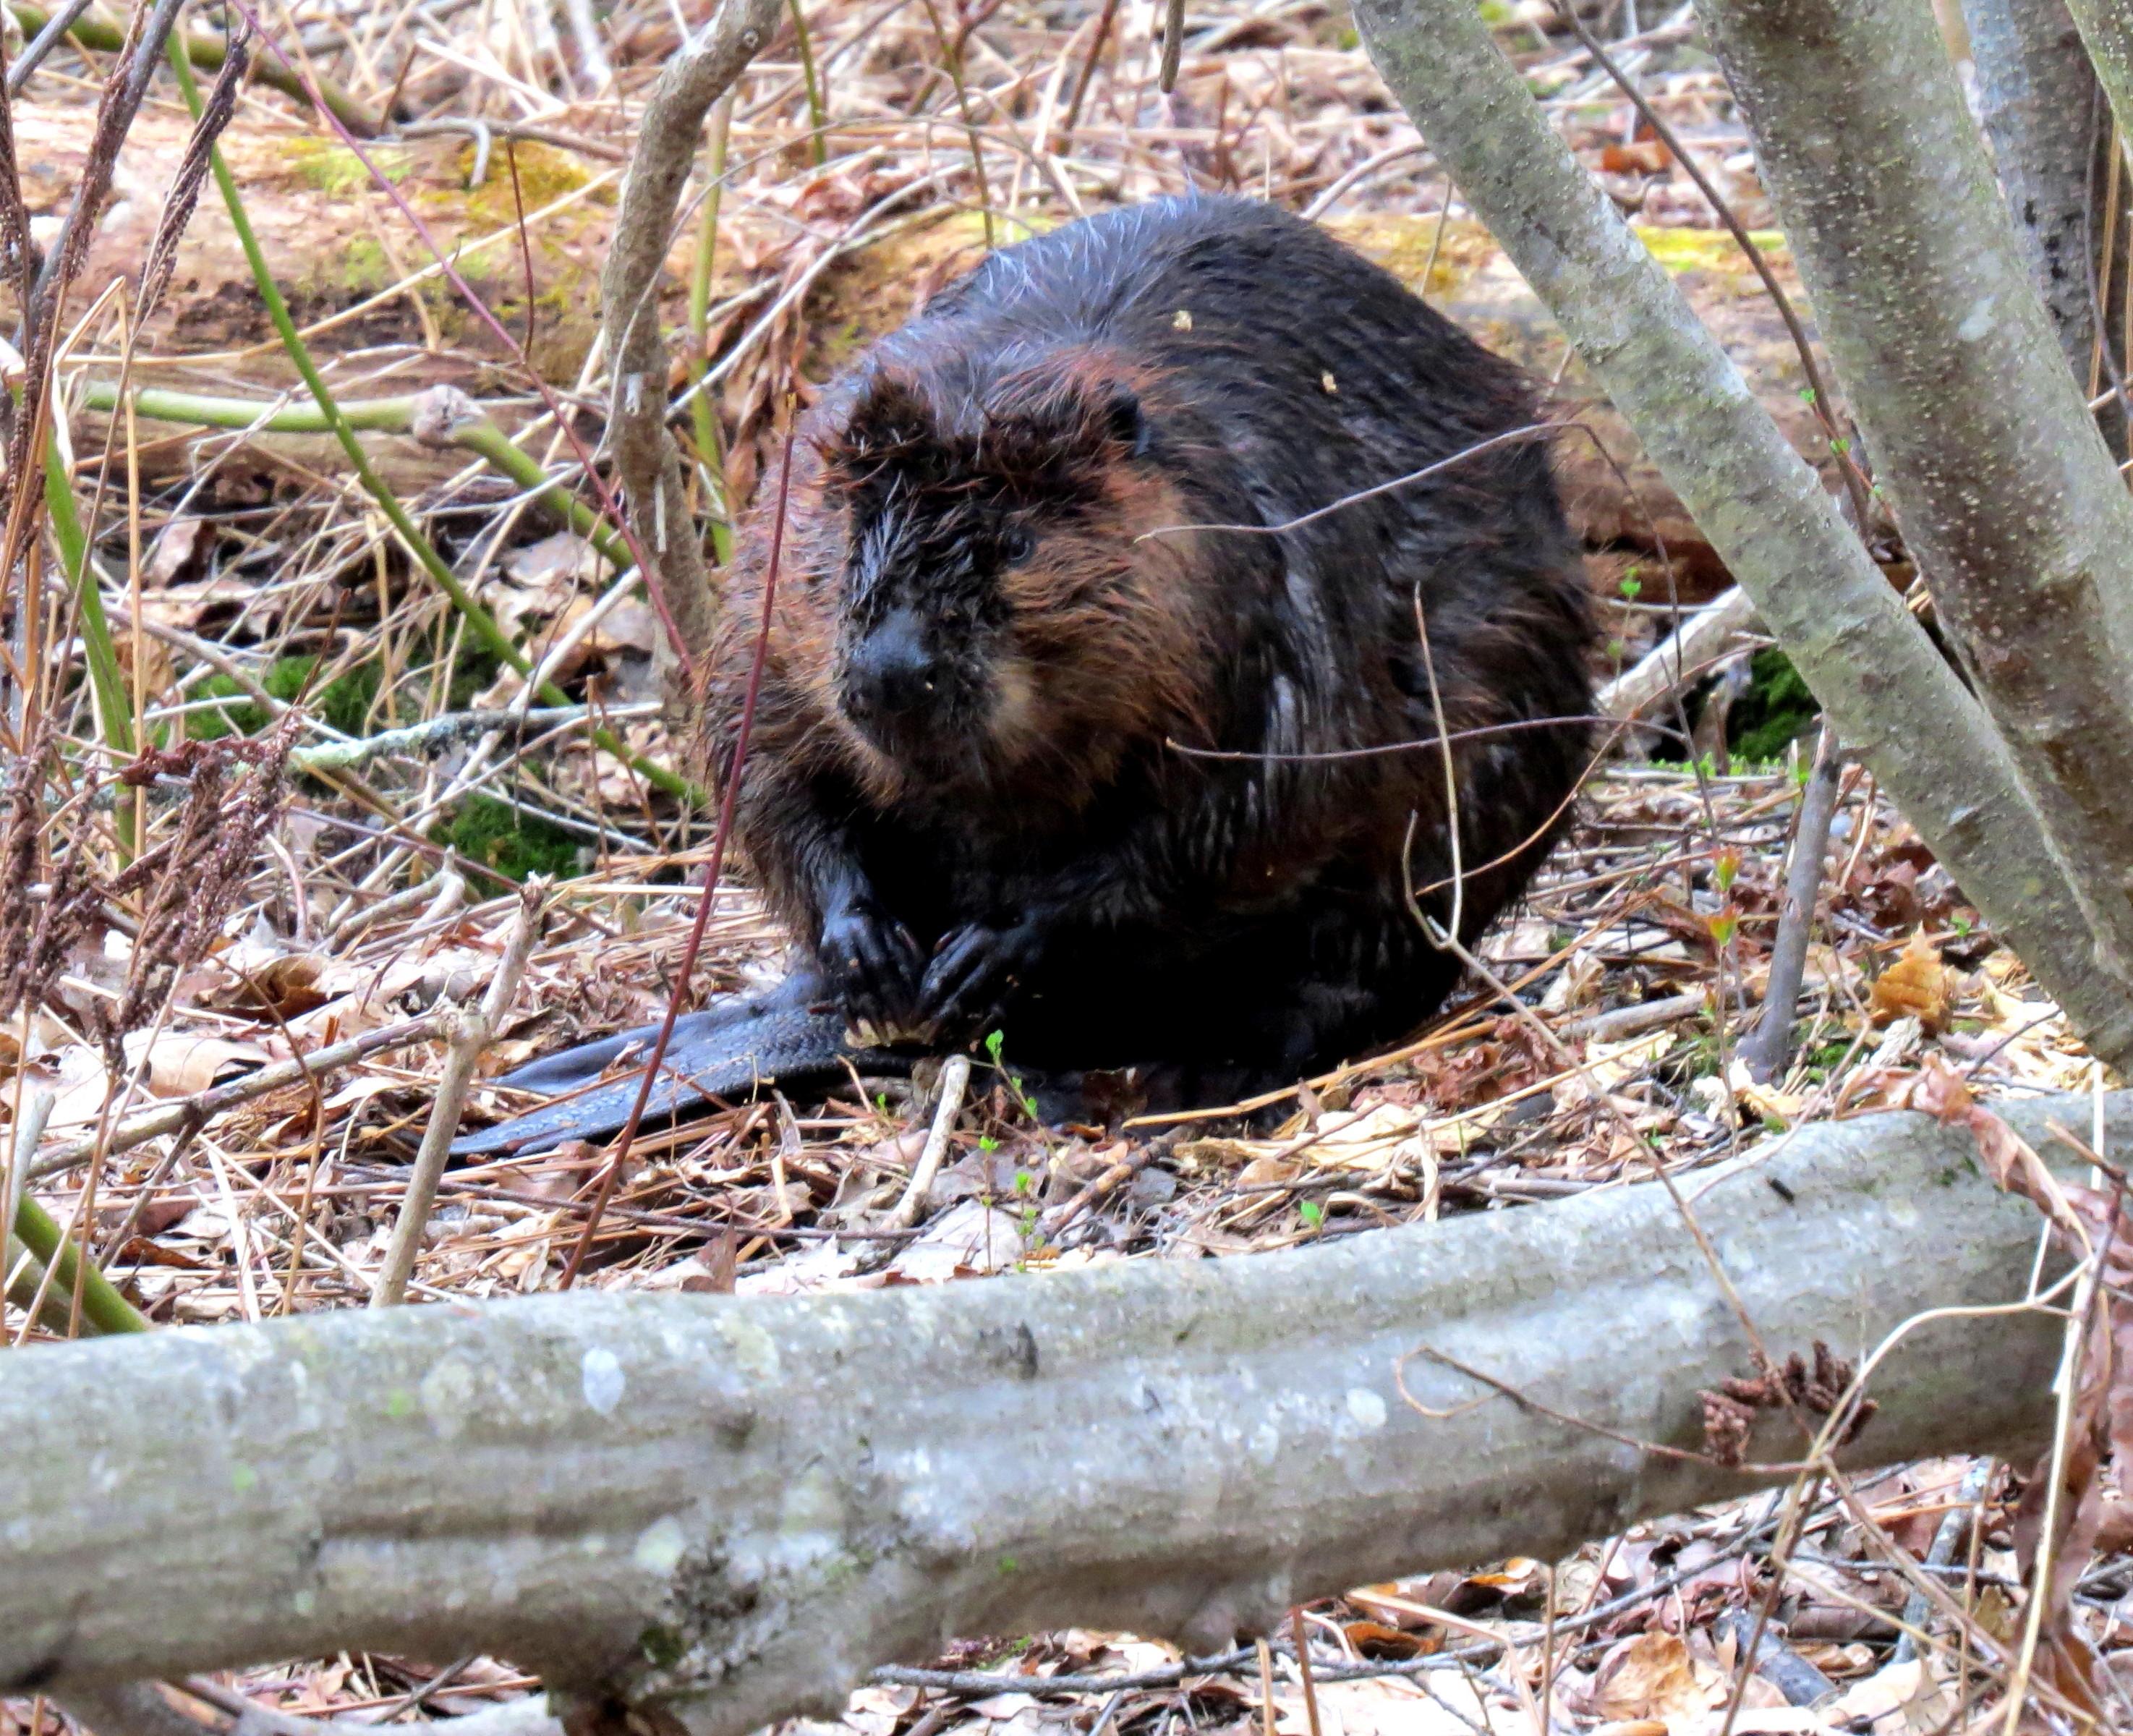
(887, 422)
(1123, 417)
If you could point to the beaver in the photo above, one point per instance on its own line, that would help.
(1090, 715)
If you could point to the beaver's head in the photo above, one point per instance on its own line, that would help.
(996, 604)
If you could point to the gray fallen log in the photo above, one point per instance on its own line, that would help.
(731, 1508)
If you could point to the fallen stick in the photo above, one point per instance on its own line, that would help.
(731, 1508)
(954, 1081)
(1681, 658)
(196, 1109)
(1629, 1021)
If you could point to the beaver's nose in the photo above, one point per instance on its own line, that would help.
(892, 672)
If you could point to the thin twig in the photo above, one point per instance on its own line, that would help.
(474, 1028)
(198, 1109)
(1768, 1046)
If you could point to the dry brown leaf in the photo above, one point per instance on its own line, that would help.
(1917, 985)
(1269, 1171)
(1941, 1092)
(182, 1063)
(172, 557)
(1654, 1677)
(968, 1238)
(1392, 1602)
(1646, 157)
(1374, 1639)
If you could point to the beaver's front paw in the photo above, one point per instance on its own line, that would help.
(974, 977)
(874, 965)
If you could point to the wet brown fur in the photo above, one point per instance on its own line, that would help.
(1044, 828)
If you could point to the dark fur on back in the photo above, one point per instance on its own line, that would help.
(959, 792)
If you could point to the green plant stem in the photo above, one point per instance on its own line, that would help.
(102, 1306)
(710, 443)
(479, 618)
(114, 711)
(483, 438)
(114, 708)
(817, 135)
(208, 51)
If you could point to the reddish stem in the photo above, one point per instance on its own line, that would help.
(612, 1174)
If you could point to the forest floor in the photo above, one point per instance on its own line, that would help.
(247, 576)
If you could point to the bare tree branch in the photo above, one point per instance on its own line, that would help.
(2037, 96)
(2107, 31)
(645, 458)
(1766, 1048)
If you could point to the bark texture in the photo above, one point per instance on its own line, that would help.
(2107, 31)
(645, 456)
(731, 1508)
(2038, 97)
(1882, 682)
(2006, 494)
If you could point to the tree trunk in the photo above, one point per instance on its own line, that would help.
(2107, 31)
(733, 1508)
(1881, 680)
(2007, 496)
(2039, 98)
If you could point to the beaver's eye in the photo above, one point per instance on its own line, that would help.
(1016, 545)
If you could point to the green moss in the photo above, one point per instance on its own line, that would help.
(335, 169)
(1823, 1060)
(497, 837)
(545, 175)
(1685, 249)
(662, 1647)
(1776, 708)
(240, 717)
(362, 264)
(344, 703)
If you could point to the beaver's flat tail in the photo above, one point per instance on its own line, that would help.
(728, 1049)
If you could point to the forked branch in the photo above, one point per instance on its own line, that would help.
(645, 457)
